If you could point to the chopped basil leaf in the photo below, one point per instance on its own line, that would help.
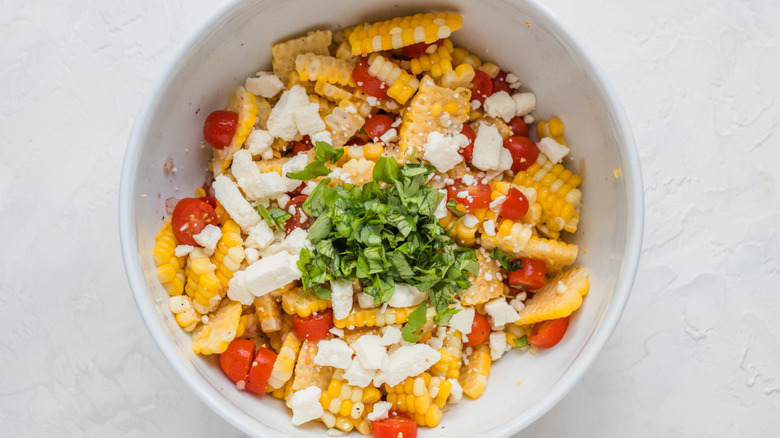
(413, 328)
(324, 153)
(505, 262)
(452, 205)
(520, 342)
(386, 170)
(275, 217)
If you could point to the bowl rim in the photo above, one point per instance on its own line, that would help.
(243, 421)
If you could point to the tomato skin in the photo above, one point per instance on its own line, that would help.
(298, 190)
(191, 214)
(480, 331)
(356, 140)
(302, 145)
(370, 84)
(237, 359)
(295, 221)
(500, 83)
(210, 201)
(219, 128)
(468, 151)
(260, 370)
(546, 334)
(518, 126)
(313, 328)
(481, 86)
(531, 276)
(396, 423)
(377, 125)
(479, 194)
(515, 206)
(524, 152)
(419, 49)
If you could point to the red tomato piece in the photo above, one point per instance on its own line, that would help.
(480, 330)
(530, 276)
(472, 197)
(370, 84)
(260, 370)
(397, 424)
(481, 86)
(295, 221)
(518, 126)
(210, 201)
(219, 128)
(190, 217)
(313, 328)
(356, 141)
(237, 359)
(468, 151)
(302, 145)
(546, 334)
(377, 125)
(500, 83)
(298, 190)
(524, 152)
(515, 205)
(419, 49)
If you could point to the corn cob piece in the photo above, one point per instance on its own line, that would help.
(284, 53)
(553, 128)
(451, 357)
(561, 296)
(325, 106)
(374, 317)
(214, 336)
(285, 361)
(245, 104)
(263, 111)
(344, 51)
(277, 338)
(556, 190)
(343, 122)
(202, 282)
(403, 31)
(311, 67)
(358, 171)
(517, 238)
(295, 79)
(351, 336)
(340, 398)
(185, 314)
(534, 214)
(333, 93)
(413, 396)
(346, 424)
(490, 69)
(476, 368)
(426, 113)
(463, 56)
(437, 63)
(247, 326)
(295, 302)
(279, 393)
(229, 253)
(487, 285)
(268, 313)
(222, 214)
(170, 269)
(401, 85)
(461, 76)
(307, 373)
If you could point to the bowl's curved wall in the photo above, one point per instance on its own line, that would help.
(519, 36)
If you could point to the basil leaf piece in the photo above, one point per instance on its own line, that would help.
(386, 170)
(275, 218)
(326, 153)
(412, 330)
(312, 170)
(520, 342)
(504, 260)
(452, 204)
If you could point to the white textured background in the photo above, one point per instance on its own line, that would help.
(696, 354)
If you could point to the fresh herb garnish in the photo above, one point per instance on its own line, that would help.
(505, 262)
(413, 328)
(324, 153)
(452, 205)
(520, 342)
(384, 236)
(276, 217)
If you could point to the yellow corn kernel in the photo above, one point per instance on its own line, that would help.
(401, 85)
(490, 69)
(332, 70)
(229, 252)
(185, 314)
(561, 296)
(461, 76)
(473, 377)
(285, 361)
(295, 302)
(372, 151)
(374, 317)
(437, 63)
(170, 269)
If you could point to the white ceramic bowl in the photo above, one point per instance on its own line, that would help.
(521, 36)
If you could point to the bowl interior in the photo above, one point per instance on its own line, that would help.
(519, 36)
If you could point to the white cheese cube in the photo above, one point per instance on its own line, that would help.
(358, 375)
(366, 301)
(456, 392)
(341, 298)
(501, 312)
(208, 237)
(389, 135)
(308, 120)
(470, 221)
(333, 353)
(271, 273)
(505, 160)
(257, 186)
(252, 255)
(524, 103)
(258, 141)
(490, 227)
(227, 193)
(406, 295)
(487, 148)
(265, 84)
(380, 411)
(442, 151)
(391, 334)
(321, 136)
(554, 150)
(337, 332)
(501, 105)
(183, 250)
(305, 405)
(517, 304)
(497, 344)
(441, 209)
(260, 237)
(407, 361)
(371, 352)
(281, 121)
(463, 320)
(237, 290)
(293, 165)
(294, 242)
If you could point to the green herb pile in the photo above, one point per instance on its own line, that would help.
(384, 236)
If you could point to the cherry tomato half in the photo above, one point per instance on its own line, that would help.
(500, 83)
(518, 126)
(481, 86)
(472, 197)
(190, 217)
(515, 205)
(524, 152)
(313, 328)
(546, 334)
(370, 84)
(295, 221)
(260, 370)
(530, 276)
(480, 331)
(219, 128)
(397, 424)
(468, 151)
(377, 125)
(236, 360)
(419, 49)
(210, 201)
(302, 145)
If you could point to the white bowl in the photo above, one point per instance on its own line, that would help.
(520, 36)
